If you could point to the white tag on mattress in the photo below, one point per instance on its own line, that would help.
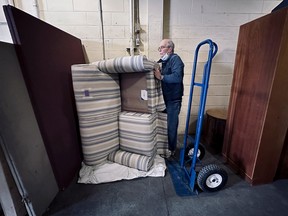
(144, 95)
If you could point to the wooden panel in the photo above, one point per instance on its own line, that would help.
(276, 119)
(254, 86)
(46, 55)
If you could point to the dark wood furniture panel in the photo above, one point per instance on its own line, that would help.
(46, 54)
(258, 110)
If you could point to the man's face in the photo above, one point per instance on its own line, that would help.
(163, 48)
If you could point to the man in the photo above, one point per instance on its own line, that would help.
(171, 76)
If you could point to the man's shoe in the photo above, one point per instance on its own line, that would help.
(167, 154)
(171, 158)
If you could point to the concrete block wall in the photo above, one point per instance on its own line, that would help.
(186, 22)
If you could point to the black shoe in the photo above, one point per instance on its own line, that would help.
(172, 157)
(168, 154)
(172, 153)
(164, 156)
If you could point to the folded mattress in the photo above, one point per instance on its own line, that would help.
(140, 91)
(137, 132)
(133, 160)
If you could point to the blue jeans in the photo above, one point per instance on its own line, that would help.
(173, 109)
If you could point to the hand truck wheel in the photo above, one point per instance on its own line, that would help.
(212, 178)
(190, 151)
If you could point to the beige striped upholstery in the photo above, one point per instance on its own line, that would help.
(97, 97)
(162, 138)
(96, 93)
(104, 128)
(136, 64)
(156, 101)
(137, 161)
(126, 64)
(99, 137)
(137, 132)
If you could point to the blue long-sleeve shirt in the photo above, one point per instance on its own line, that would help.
(172, 82)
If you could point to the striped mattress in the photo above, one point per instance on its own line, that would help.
(137, 161)
(137, 132)
(98, 104)
(132, 94)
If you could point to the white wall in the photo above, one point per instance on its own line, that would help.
(186, 22)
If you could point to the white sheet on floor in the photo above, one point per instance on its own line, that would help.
(110, 172)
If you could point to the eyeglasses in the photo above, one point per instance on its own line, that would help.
(162, 47)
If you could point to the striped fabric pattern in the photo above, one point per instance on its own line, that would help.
(132, 64)
(96, 93)
(137, 161)
(137, 132)
(98, 104)
(155, 97)
(162, 138)
(128, 138)
(126, 64)
(99, 138)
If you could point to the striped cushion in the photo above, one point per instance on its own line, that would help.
(137, 132)
(99, 137)
(155, 97)
(162, 138)
(126, 64)
(96, 93)
(137, 161)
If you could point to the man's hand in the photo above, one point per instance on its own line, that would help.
(157, 74)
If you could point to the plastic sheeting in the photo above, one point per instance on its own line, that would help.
(110, 172)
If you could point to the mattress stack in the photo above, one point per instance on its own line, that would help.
(140, 93)
(119, 104)
(138, 140)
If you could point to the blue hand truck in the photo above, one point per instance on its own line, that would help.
(211, 177)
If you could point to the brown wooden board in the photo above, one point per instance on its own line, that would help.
(257, 116)
(46, 54)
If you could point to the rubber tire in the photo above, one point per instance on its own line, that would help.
(201, 151)
(217, 174)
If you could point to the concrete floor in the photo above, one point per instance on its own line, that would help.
(152, 196)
